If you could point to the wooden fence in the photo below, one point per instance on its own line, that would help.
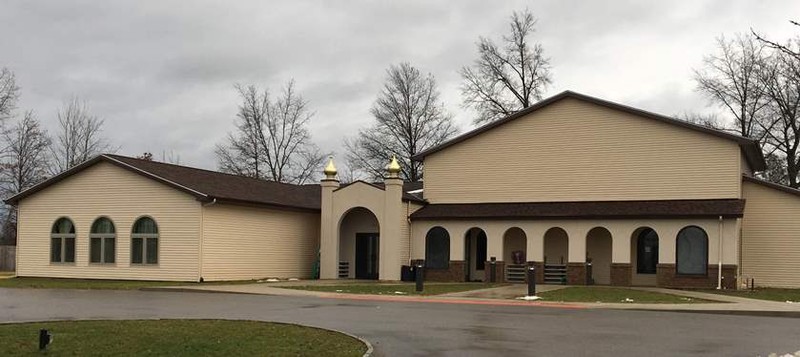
(8, 254)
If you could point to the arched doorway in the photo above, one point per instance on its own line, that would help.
(644, 256)
(556, 255)
(475, 254)
(515, 248)
(359, 242)
(598, 251)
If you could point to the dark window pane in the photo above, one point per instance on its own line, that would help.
(152, 251)
(63, 226)
(136, 250)
(437, 248)
(69, 250)
(95, 250)
(55, 250)
(109, 250)
(692, 251)
(145, 225)
(103, 225)
(647, 252)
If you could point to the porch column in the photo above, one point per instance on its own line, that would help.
(329, 234)
(393, 220)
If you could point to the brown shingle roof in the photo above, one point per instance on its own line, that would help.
(749, 147)
(204, 184)
(584, 210)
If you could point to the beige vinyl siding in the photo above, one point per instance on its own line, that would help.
(405, 232)
(573, 150)
(771, 236)
(123, 196)
(242, 242)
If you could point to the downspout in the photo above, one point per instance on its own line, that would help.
(203, 232)
(719, 258)
(408, 220)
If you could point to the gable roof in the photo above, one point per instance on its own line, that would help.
(750, 147)
(205, 185)
(407, 186)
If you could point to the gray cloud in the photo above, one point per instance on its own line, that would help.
(161, 73)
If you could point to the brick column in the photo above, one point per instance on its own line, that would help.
(576, 273)
(621, 274)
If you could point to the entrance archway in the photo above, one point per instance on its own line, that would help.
(359, 242)
(556, 255)
(475, 254)
(598, 251)
(644, 256)
(515, 248)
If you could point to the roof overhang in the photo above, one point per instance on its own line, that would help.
(727, 208)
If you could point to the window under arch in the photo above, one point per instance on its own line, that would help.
(437, 248)
(62, 241)
(144, 241)
(691, 251)
(647, 251)
(102, 241)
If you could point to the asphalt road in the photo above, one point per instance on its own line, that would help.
(433, 329)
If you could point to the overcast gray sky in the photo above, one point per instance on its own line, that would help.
(161, 73)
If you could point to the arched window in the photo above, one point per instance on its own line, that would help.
(62, 241)
(437, 248)
(144, 242)
(692, 251)
(102, 241)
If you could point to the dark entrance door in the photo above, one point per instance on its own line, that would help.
(366, 255)
(647, 252)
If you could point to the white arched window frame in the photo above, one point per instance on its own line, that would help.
(103, 242)
(144, 242)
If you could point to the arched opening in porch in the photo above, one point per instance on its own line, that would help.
(359, 242)
(598, 252)
(556, 255)
(644, 256)
(515, 246)
(475, 254)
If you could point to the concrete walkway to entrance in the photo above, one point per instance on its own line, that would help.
(505, 295)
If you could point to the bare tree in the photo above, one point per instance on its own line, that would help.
(731, 78)
(271, 140)
(79, 137)
(409, 118)
(9, 93)
(786, 49)
(507, 77)
(711, 121)
(24, 164)
(782, 132)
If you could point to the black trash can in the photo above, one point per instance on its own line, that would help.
(407, 273)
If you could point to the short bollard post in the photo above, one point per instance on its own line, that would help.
(419, 277)
(44, 339)
(531, 280)
(589, 280)
(492, 270)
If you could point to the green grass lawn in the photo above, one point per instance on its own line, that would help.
(176, 338)
(54, 283)
(395, 289)
(773, 294)
(614, 295)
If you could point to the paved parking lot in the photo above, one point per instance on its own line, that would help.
(426, 329)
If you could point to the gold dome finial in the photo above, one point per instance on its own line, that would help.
(330, 169)
(394, 167)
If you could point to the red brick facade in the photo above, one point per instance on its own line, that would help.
(454, 273)
(621, 274)
(668, 278)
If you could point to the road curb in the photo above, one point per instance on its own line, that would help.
(757, 313)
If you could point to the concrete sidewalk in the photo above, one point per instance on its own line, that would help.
(505, 295)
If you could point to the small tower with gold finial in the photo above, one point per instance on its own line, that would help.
(394, 168)
(330, 169)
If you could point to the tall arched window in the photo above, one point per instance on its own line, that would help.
(144, 242)
(692, 251)
(102, 241)
(437, 248)
(62, 241)
(647, 252)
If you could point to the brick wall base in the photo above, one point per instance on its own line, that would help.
(539, 272)
(668, 278)
(576, 273)
(454, 273)
(621, 274)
